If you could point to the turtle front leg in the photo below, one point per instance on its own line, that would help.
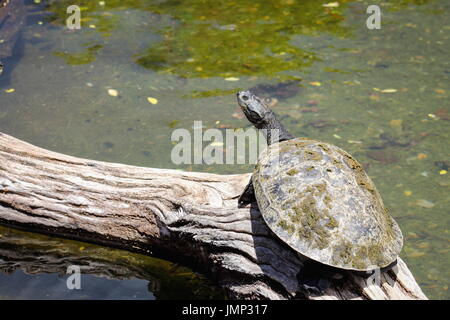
(248, 196)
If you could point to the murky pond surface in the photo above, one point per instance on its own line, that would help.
(117, 88)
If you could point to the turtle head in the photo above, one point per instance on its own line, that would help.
(262, 117)
(254, 109)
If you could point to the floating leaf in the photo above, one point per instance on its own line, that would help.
(173, 123)
(232, 79)
(152, 100)
(389, 90)
(421, 156)
(442, 172)
(10, 90)
(331, 5)
(113, 92)
(407, 193)
(315, 83)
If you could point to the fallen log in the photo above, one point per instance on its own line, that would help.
(186, 216)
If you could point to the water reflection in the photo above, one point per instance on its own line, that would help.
(34, 267)
(53, 286)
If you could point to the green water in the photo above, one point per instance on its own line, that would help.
(382, 95)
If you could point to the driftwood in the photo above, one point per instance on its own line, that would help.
(185, 216)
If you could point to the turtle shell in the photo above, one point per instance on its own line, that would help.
(318, 199)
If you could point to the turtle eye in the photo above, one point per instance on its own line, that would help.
(245, 97)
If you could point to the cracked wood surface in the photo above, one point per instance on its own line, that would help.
(187, 216)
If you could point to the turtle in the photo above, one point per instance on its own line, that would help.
(317, 198)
